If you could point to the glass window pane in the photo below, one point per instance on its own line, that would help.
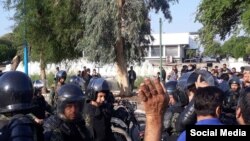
(171, 51)
(155, 51)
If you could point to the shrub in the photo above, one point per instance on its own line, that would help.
(138, 81)
(50, 78)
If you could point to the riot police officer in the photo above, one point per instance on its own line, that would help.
(60, 80)
(178, 100)
(16, 91)
(79, 81)
(230, 102)
(98, 110)
(41, 108)
(187, 83)
(67, 124)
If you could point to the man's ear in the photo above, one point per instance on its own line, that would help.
(218, 111)
(238, 113)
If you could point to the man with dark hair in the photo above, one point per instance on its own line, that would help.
(243, 108)
(131, 78)
(207, 105)
(224, 86)
(242, 69)
(163, 74)
(225, 69)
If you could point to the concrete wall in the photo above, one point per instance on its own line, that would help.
(146, 69)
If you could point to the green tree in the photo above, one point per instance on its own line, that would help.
(213, 50)
(236, 46)
(117, 31)
(191, 53)
(247, 50)
(221, 18)
(7, 47)
(50, 27)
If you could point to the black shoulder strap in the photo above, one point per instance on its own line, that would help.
(4, 130)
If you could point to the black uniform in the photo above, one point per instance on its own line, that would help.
(60, 128)
(98, 119)
(173, 112)
(187, 117)
(55, 129)
(229, 107)
(170, 119)
(98, 122)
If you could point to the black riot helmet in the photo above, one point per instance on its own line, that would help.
(187, 80)
(96, 85)
(69, 93)
(16, 91)
(179, 96)
(38, 85)
(171, 86)
(61, 74)
(234, 80)
(1, 73)
(77, 81)
(208, 77)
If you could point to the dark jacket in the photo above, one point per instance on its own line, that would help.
(98, 122)
(41, 106)
(187, 117)
(229, 107)
(170, 118)
(56, 129)
(18, 128)
(131, 75)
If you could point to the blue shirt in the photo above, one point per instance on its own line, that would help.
(211, 121)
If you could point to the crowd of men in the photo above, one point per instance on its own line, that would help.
(220, 96)
(81, 111)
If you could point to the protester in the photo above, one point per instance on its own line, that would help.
(155, 101)
(207, 104)
(243, 108)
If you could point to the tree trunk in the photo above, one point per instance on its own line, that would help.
(120, 60)
(15, 62)
(122, 76)
(42, 72)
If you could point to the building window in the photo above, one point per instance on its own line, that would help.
(171, 51)
(155, 51)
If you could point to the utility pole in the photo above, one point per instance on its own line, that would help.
(25, 44)
(160, 50)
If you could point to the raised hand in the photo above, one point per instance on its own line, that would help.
(200, 84)
(155, 101)
(153, 97)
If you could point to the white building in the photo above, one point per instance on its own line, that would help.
(174, 47)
